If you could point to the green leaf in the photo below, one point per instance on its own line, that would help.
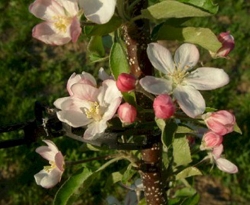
(193, 200)
(172, 9)
(103, 29)
(188, 172)
(181, 150)
(184, 192)
(200, 36)
(118, 60)
(207, 5)
(237, 129)
(184, 129)
(130, 98)
(71, 186)
(95, 46)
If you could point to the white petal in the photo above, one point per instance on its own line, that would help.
(111, 109)
(156, 85)
(70, 6)
(73, 118)
(98, 11)
(190, 100)
(207, 78)
(48, 179)
(84, 92)
(108, 92)
(48, 152)
(94, 129)
(186, 56)
(226, 166)
(160, 57)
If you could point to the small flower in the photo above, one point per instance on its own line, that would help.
(211, 140)
(98, 11)
(84, 78)
(61, 21)
(222, 163)
(179, 79)
(227, 41)
(221, 122)
(89, 106)
(126, 82)
(163, 106)
(52, 174)
(127, 113)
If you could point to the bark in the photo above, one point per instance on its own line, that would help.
(136, 37)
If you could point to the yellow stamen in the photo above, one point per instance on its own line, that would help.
(61, 23)
(93, 112)
(50, 168)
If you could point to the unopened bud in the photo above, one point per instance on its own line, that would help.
(163, 106)
(127, 113)
(211, 140)
(126, 82)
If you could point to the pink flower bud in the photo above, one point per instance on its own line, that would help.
(227, 41)
(220, 122)
(211, 140)
(127, 113)
(163, 106)
(126, 82)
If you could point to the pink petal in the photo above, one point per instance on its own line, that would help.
(46, 9)
(190, 100)
(46, 33)
(84, 92)
(161, 58)
(75, 29)
(59, 161)
(226, 166)
(186, 56)
(156, 85)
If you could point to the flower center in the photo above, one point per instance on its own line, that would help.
(178, 76)
(51, 167)
(93, 112)
(61, 23)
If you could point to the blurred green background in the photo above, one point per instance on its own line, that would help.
(31, 71)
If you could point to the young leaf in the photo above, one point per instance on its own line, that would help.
(188, 172)
(118, 60)
(172, 9)
(207, 5)
(200, 36)
(71, 186)
(181, 150)
(103, 29)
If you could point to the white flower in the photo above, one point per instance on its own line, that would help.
(179, 78)
(222, 163)
(98, 11)
(52, 174)
(90, 106)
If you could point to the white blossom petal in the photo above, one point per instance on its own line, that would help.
(111, 109)
(84, 92)
(156, 85)
(226, 166)
(98, 11)
(48, 152)
(190, 100)
(186, 56)
(206, 78)
(161, 58)
(94, 129)
(48, 179)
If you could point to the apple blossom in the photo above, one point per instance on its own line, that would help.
(163, 106)
(89, 106)
(222, 163)
(126, 82)
(221, 122)
(50, 175)
(61, 21)
(210, 140)
(84, 78)
(127, 113)
(179, 79)
(98, 11)
(227, 41)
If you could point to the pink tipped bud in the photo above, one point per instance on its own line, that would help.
(163, 106)
(227, 41)
(221, 122)
(127, 113)
(211, 140)
(126, 82)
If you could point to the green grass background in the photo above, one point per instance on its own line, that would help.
(31, 71)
